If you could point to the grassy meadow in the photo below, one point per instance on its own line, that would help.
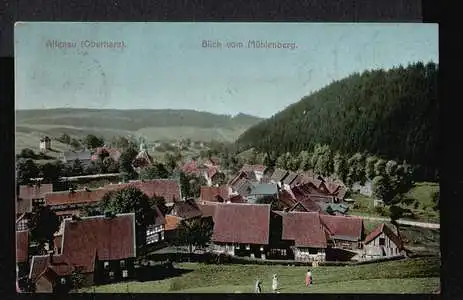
(416, 275)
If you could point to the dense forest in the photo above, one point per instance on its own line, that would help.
(392, 114)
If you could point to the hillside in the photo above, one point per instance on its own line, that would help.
(152, 124)
(393, 113)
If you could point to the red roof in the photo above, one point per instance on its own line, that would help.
(167, 188)
(253, 168)
(305, 229)
(287, 199)
(242, 223)
(35, 191)
(383, 228)
(108, 238)
(208, 209)
(22, 246)
(343, 227)
(59, 264)
(191, 167)
(23, 206)
(210, 193)
(74, 197)
(310, 205)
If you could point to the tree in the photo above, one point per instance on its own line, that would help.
(171, 160)
(160, 202)
(391, 168)
(157, 171)
(77, 279)
(305, 159)
(125, 163)
(121, 142)
(27, 169)
(435, 200)
(91, 141)
(370, 167)
(131, 200)
(191, 185)
(65, 139)
(294, 163)
(380, 167)
(77, 168)
(91, 168)
(356, 165)
(27, 153)
(194, 232)
(51, 172)
(110, 165)
(219, 179)
(75, 144)
(322, 160)
(44, 223)
(340, 166)
(282, 162)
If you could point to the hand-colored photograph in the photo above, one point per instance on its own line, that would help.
(227, 158)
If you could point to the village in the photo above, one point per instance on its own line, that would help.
(258, 213)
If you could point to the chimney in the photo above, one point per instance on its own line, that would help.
(87, 189)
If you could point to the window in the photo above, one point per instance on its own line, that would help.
(162, 235)
(313, 251)
(63, 280)
(152, 238)
(106, 264)
(122, 264)
(125, 273)
(382, 241)
(111, 274)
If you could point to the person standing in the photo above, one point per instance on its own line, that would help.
(308, 278)
(275, 283)
(258, 289)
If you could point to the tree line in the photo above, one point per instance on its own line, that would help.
(392, 114)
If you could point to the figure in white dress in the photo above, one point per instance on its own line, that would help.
(258, 289)
(275, 283)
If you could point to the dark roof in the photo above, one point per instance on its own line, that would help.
(278, 175)
(343, 226)
(186, 209)
(310, 205)
(237, 199)
(210, 193)
(290, 178)
(167, 188)
(22, 246)
(34, 191)
(242, 223)
(383, 228)
(286, 199)
(75, 197)
(253, 168)
(159, 218)
(305, 229)
(107, 238)
(264, 189)
(243, 187)
(70, 156)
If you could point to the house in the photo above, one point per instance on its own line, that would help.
(382, 242)
(347, 235)
(365, 189)
(278, 175)
(69, 157)
(308, 234)
(187, 209)
(45, 144)
(142, 160)
(22, 223)
(242, 229)
(69, 203)
(155, 231)
(171, 225)
(208, 209)
(22, 252)
(290, 202)
(31, 196)
(258, 170)
(101, 248)
(114, 153)
(169, 189)
(208, 170)
(289, 180)
(214, 194)
(262, 190)
(242, 187)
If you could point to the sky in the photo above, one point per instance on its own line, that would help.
(165, 65)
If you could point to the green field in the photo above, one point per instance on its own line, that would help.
(418, 275)
(418, 200)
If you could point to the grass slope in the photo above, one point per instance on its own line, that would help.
(420, 275)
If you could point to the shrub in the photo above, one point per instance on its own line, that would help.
(416, 205)
(381, 210)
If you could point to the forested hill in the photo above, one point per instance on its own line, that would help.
(391, 113)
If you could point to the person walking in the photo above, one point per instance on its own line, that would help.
(275, 283)
(308, 278)
(258, 288)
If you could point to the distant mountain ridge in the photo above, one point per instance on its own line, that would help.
(154, 124)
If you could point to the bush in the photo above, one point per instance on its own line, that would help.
(416, 205)
(382, 211)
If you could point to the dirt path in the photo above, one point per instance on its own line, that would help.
(406, 222)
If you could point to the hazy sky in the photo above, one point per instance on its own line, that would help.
(163, 65)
